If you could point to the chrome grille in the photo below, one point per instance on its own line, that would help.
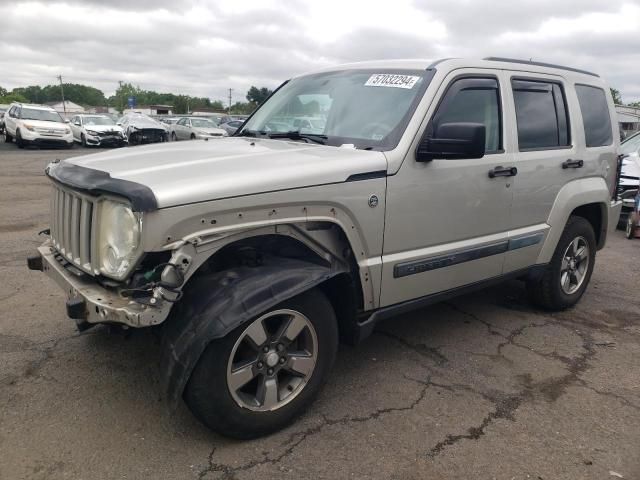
(72, 219)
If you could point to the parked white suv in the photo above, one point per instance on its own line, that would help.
(258, 251)
(36, 124)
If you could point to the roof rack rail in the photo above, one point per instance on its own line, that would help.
(540, 64)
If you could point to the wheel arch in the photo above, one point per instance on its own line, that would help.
(587, 198)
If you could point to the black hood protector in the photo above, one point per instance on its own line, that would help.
(96, 182)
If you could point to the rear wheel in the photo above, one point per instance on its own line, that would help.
(567, 275)
(266, 372)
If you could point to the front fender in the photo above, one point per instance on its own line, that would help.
(213, 305)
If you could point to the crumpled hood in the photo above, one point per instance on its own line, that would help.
(104, 128)
(187, 172)
(630, 171)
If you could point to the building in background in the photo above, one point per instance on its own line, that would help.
(151, 109)
(69, 107)
(628, 119)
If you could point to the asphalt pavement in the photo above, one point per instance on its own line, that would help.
(480, 387)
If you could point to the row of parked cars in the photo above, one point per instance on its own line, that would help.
(29, 124)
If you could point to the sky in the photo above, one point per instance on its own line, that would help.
(205, 47)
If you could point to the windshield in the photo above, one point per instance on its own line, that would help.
(631, 144)
(369, 109)
(44, 115)
(203, 123)
(98, 121)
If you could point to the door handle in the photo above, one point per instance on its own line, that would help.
(572, 164)
(503, 172)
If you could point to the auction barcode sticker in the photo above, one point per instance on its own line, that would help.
(391, 80)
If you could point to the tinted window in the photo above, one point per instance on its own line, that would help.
(541, 115)
(472, 100)
(595, 116)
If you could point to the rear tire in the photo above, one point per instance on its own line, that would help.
(568, 273)
(244, 409)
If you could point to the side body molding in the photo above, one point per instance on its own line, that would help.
(220, 302)
(571, 196)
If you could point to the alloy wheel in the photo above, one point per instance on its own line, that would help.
(272, 360)
(575, 263)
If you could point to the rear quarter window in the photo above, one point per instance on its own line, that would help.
(595, 116)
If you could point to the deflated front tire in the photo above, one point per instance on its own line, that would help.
(266, 372)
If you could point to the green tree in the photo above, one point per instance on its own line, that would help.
(258, 95)
(242, 108)
(617, 98)
(3, 92)
(13, 97)
(635, 104)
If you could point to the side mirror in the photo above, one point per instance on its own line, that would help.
(453, 141)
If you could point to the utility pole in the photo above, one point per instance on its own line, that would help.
(230, 91)
(121, 102)
(64, 106)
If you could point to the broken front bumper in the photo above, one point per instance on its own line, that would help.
(88, 302)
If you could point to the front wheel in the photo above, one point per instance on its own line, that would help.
(174, 138)
(266, 372)
(567, 275)
(83, 140)
(7, 137)
(19, 141)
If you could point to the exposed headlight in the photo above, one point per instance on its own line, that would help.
(91, 132)
(29, 127)
(118, 238)
(67, 130)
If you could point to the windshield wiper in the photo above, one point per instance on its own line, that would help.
(296, 135)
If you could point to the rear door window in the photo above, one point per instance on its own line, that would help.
(541, 115)
(595, 116)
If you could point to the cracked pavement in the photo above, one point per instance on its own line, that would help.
(483, 386)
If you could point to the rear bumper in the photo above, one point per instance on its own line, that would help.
(90, 303)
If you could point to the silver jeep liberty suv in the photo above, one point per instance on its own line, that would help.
(352, 194)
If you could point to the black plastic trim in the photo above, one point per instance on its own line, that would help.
(539, 64)
(447, 260)
(97, 182)
(356, 177)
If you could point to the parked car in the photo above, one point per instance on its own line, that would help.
(140, 128)
(97, 130)
(231, 126)
(36, 125)
(632, 227)
(2, 112)
(629, 177)
(191, 128)
(259, 251)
